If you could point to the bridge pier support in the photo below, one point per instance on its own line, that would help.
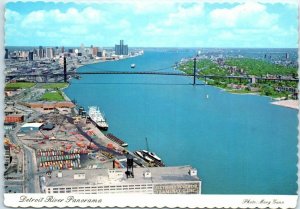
(194, 82)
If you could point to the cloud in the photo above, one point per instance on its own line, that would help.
(74, 30)
(249, 14)
(152, 29)
(88, 16)
(155, 23)
(12, 16)
(154, 6)
(184, 14)
(35, 17)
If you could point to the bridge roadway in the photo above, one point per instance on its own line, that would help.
(151, 73)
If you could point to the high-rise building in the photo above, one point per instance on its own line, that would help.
(95, 51)
(35, 52)
(49, 53)
(53, 52)
(287, 56)
(56, 51)
(82, 48)
(62, 49)
(99, 54)
(121, 49)
(41, 52)
(30, 56)
(6, 54)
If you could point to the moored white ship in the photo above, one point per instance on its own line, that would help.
(97, 118)
(152, 155)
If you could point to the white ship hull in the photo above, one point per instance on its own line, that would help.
(97, 118)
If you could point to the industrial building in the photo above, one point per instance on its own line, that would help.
(14, 119)
(154, 180)
(9, 126)
(50, 105)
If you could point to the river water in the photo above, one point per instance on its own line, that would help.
(240, 144)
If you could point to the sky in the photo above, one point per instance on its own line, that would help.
(245, 24)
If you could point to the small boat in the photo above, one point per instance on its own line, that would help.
(152, 155)
(138, 153)
(145, 157)
(148, 159)
(132, 65)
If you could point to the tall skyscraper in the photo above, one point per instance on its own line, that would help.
(53, 52)
(41, 52)
(6, 54)
(62, 49)
(121, 49)
(30, 56)
(82, 48)
(49, 53)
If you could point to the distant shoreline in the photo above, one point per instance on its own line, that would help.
(104, 60)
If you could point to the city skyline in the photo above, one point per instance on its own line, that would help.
(163, 24)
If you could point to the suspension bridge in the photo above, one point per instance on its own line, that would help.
(63, 77)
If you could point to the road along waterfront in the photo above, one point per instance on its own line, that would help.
(203, 126)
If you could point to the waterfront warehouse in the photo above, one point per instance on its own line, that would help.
(155, 180)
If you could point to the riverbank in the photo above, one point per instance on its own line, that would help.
(110, 59)
(294, 104)
(245, 75)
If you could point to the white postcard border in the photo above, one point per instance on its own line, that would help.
(159, 201)
(152, 200)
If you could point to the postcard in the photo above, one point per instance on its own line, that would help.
(186, 104)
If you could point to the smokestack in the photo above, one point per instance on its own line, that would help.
(129, 172)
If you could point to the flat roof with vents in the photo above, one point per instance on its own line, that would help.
(101, 176)
(32, 125)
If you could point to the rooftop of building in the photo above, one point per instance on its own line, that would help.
(118, 176)
(34, 125)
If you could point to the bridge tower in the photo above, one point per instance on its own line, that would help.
(65, 70)
(194, 83)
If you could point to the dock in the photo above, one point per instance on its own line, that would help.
(116, 140)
